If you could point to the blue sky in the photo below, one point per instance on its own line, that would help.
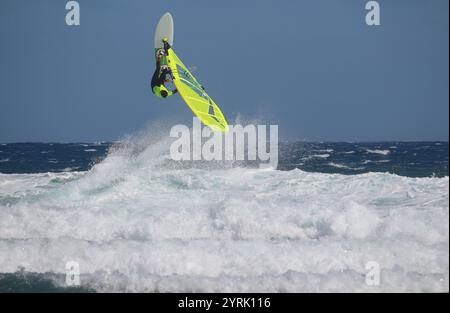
(313, 67)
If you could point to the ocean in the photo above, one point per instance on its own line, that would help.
(135, 222)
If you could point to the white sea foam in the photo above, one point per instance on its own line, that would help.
(135, 224)
(374, 161)
(378, 151)
(324, 150)
(338, 165)
(317, 156)
(90, 150)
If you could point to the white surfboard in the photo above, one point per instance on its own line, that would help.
(164, 29)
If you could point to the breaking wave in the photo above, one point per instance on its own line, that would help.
(135, 222)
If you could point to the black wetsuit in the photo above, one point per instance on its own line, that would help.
(159, 76)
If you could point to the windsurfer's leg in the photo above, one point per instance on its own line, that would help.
(165, 70)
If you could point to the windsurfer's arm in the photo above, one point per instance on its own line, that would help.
(167, 45)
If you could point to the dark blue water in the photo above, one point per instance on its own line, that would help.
(413, 159)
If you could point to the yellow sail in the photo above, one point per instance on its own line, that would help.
(195, 97)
